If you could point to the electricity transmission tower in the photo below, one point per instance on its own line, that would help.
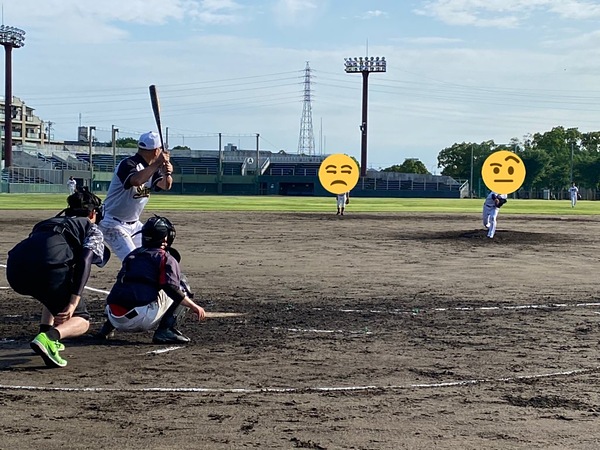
(306, 142)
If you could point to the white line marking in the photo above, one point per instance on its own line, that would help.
(102, 291)
(312, 330)
(163, 350)
(469, 308)
(306, 389)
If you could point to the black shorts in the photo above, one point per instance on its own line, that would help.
(56, 305)
(51, 287)
(57, 299)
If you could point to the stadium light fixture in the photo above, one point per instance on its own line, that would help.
(365, 66)
(10, 37)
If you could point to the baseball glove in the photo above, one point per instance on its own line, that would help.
(501, 201)
(347, 200)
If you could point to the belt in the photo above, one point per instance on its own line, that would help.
(122, 221)
(116, 310)
(131, 314)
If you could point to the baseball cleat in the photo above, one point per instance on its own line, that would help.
(169, 336)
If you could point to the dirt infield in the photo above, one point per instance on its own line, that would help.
(368, 331)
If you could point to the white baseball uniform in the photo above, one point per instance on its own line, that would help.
(72, 184)
(573, 190)
(490, 212)
(124, 204)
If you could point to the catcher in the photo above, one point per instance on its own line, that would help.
(149, 292)
(53, 265)
(342, 201)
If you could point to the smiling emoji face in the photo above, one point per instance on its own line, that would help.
(503, 172)
(338, 173)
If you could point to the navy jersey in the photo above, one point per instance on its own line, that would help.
(146, 271)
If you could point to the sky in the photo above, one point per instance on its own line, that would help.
(457, 70)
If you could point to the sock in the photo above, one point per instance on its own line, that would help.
(45, 327)
(53, 334)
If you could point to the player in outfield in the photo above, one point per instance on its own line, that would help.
(148, 293)
(134, 179)
(574, 193)
(491, 207)
(53, 265)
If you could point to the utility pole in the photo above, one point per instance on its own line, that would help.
(49, 129)
(471, 181)
(114, 145)
(256, 172)
(91, 141)
(571, 162)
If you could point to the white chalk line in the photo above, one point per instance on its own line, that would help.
(163, 350)
(351, 388)
(416, 311)
(303, 390)
(312, 330)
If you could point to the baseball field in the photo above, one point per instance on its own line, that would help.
(396, 326)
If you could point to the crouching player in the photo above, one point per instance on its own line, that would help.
(148, 292)
(53, 265)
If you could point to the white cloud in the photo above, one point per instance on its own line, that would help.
(373, 14)
(429, 40)
(289, 12)
(504, 13)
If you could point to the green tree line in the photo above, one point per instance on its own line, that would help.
(552, 159)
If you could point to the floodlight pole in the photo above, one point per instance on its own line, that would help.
(10, 37)
(364, 66)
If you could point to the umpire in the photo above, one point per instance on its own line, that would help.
(53, 265)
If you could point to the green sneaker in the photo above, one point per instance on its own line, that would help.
(48, 350)
(59, 346)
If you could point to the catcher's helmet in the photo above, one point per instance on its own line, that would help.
(155, 230)
(82, 203)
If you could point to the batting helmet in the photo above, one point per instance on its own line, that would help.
(155, 230)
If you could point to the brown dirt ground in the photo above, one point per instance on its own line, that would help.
(368, 331)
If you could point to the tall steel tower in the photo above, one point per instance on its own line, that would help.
(306, 142)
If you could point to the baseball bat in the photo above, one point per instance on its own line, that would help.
(156, 110)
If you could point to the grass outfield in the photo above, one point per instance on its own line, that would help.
(168, 202)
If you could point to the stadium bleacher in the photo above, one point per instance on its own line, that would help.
(196, 166)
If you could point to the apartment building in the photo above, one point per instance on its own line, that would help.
(27, 128)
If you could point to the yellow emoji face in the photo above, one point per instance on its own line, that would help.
(338, 173)
(503, 172)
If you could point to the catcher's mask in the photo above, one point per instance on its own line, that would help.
(155, 230)
(82, 203)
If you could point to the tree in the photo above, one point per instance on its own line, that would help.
(127, 142)
(456, 161)
(181, 147)
(536, 162)
(557, 144)
(410, 165)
